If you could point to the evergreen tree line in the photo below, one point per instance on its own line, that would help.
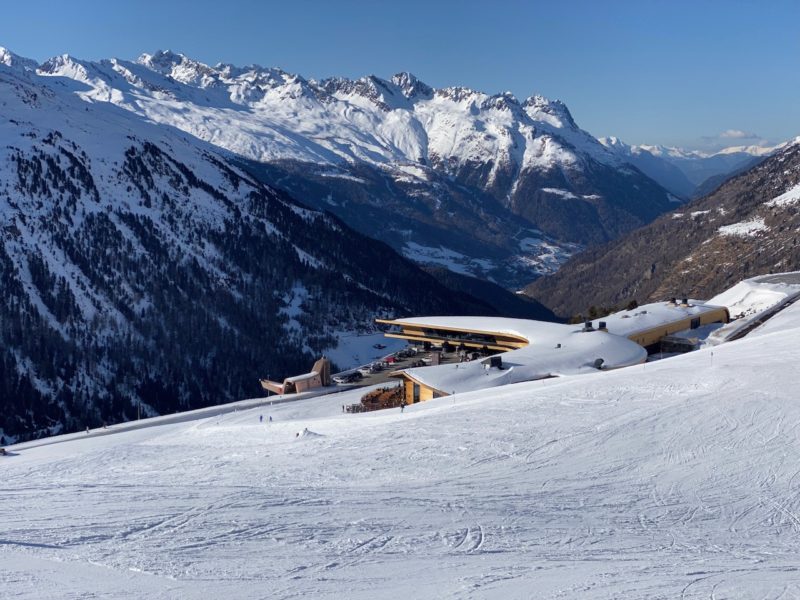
(137, 296)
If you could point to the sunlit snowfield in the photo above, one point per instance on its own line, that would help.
(677, 479)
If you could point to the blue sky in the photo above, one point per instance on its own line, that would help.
(668, 72)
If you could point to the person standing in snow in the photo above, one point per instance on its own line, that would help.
(260, 418)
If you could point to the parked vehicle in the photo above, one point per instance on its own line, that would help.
(345, 378)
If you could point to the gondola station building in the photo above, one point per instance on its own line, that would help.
(526, 350)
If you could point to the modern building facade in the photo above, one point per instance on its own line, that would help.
(526, 350)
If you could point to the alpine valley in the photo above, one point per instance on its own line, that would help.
(172, 231)
(748, 226)
(140, 269)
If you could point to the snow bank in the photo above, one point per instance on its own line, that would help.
(745, 228)
(750, 300)
(749, 297)
(787, 198)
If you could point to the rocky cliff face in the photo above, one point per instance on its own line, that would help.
(749, 226)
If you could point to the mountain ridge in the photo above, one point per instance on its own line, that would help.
(446, 154)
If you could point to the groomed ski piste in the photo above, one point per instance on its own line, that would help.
(673, 479)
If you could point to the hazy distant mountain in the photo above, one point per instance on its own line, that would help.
(690, 173)
(484, 184)
(747, 227)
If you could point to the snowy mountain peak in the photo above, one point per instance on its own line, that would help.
(411, 86)
(459, 94)
(253, 72)
(752, 150)
(15, 61)
(552, 112)
(162, 61)
(614, 143)
(181, 68)
(626, 150)
(384, 94)
(504, 101)
(65, 66)
(670, 151)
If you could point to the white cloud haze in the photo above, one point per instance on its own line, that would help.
(738, 134)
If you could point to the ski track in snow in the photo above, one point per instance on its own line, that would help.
(676, 479)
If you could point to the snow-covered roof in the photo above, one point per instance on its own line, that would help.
(525, 329)
(303, 377)
(554, 349)
(649, 316)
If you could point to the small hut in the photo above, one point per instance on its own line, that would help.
(319, 376)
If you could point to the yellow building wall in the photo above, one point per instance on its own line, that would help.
(408, 386)
(308, 384)
(652, 336)
(715, 316)
(425, 392)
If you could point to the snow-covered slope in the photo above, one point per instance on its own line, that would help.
(397, 158)
(138, 265)
(674, 479)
